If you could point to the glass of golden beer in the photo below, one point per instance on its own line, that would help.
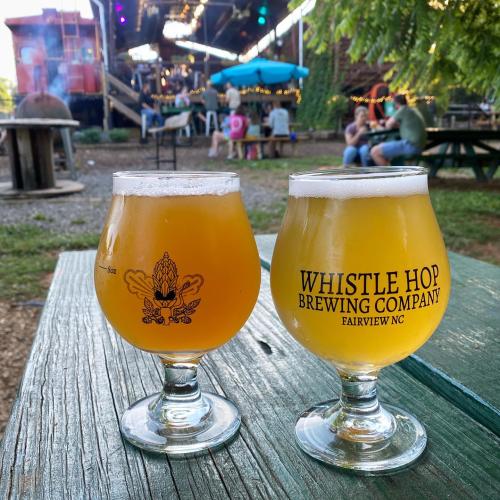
(177, 274)
(360, 277)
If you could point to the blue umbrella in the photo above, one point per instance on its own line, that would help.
(259, 72)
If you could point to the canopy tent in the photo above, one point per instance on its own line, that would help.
(259, 72)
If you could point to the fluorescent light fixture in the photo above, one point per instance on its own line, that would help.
(176, 29)
(282, 27)
(199, 10)
(143, 53)
(207, 49)
(302, 10)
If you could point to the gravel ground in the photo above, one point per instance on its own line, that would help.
(85, 212)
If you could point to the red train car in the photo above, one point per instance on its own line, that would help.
(59, 53)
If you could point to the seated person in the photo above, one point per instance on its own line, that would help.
(182, 98)
(411, 129)
(253, 132)
(239, 124)
(357, 150)
(148, 107)
(279, 121)
(219, 136)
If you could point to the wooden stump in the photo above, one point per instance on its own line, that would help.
(31, 158)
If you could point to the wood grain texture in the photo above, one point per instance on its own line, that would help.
(63, 440)
(461, 361)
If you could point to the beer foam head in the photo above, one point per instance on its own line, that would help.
(366, 182)
(167, 183)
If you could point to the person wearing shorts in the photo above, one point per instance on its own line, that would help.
(411, 129)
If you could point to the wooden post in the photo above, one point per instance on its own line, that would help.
(25, 164)
(41, 143)
(68, 151)
(13, 153)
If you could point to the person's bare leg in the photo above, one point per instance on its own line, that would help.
(216, 138)
(230, 149)
(378, 158)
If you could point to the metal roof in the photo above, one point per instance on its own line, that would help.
(230, 25)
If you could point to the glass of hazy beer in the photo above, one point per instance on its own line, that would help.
(360, 277)
(177, 274)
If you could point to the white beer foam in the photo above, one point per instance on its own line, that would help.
(367, 186)
(174, 185)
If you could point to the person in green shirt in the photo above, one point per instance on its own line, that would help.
(411, 129)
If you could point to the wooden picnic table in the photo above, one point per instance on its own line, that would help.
(63, 440)
(457, 148)
(30, 149)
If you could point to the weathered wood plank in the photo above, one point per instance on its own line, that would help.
(37, 122)
(63, 439)
(461, 360)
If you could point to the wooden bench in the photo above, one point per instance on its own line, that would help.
(63, 441)
(260, 141)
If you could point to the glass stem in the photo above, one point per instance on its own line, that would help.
(180, 406)
(358, 416)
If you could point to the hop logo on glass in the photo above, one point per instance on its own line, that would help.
(166, 298)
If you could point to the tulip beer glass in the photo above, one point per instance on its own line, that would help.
(360, 277)
(177, 274)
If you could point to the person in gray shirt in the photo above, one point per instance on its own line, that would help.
(279, 122)
(209, 98)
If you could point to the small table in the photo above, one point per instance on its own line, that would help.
(30, 149)
(63, 440)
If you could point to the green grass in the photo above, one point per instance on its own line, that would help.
(42, 218)
(469, 220)
(290, 164)
(28, 253)
(268, 219)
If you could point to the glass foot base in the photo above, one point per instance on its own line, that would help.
(315, 436)
(217, 427)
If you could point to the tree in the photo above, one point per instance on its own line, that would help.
(6, 102)
(433, 44)
(322, 105)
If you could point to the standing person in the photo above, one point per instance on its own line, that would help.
(232, 98)
(149, 111)
(279, 121)
(411, 128)
(357, 150)
(211, 104)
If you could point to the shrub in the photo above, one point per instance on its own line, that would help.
(119, 135)
(90, 135)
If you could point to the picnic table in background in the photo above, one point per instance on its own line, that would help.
(456, 148)
(63, 439)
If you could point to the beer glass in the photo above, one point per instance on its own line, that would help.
(177, 274)
(360, 277)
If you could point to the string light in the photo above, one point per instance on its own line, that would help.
(248, 91)
(378, 100)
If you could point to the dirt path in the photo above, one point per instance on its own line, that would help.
(17, 328)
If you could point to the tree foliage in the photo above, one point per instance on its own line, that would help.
(433, 44)
(321, 106)
(6, 102)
